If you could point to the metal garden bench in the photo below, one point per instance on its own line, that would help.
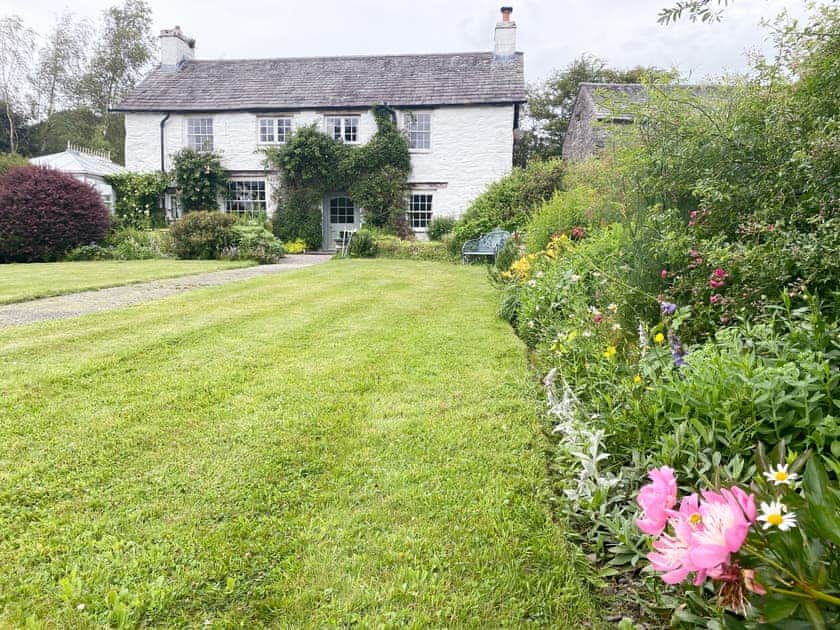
(487, 245)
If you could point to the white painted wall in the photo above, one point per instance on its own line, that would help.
(472, 146)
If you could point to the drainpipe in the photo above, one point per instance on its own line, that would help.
(162, 154)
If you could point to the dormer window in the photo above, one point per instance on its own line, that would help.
(275, 130)
(343, 128)
(200, 134)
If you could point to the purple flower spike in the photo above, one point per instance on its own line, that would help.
(668, 308)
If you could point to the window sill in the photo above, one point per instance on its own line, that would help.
(420, 151)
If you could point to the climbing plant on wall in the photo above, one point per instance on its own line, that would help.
(313, 164)
(200, 179)
(138, 198)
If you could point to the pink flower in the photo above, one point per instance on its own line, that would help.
(672, 557)
(715, 298)
(657, 499)
(664, 273)
(722, 529)
(771, 227)
(720, 273)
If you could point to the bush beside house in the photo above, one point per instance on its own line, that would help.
(45, 213)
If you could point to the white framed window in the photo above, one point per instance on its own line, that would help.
(245, 196)
(418, 126)
(419, 210)
(275, 130)
(343, 128)
(200, 134)
(342, 210)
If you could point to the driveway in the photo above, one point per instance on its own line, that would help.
(74, 304)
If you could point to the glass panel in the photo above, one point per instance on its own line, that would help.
(420, 211)
(351, 129)
(200, 134)
(284, 129)
(245, 197)
(342, 210)
(419, 128)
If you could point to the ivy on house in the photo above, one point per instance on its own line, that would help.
(200, 179)
(138, 198)
(312, 164)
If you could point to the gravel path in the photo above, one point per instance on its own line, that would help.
(74, 304)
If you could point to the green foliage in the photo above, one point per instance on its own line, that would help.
(394, 247)
(549, 109)
(9, 161)
(363, 245)
(298, 217)
(138, 198)
(313, 164)
(440, 226)
(509, 202)
(377, 172)
(253, 242)
(200, 179)
(203, 235)
(574, 212)
(507, 255)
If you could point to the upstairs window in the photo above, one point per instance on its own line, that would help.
(200, 134)
(418, 126)
(420, 211)
(343, 128)
(245, 197)
(275, 130)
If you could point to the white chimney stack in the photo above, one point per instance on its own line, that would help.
(175, 48)
(505, 39)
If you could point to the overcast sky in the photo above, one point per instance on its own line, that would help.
(550, 32)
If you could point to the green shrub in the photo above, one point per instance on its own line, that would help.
(200, 178)
(203, 235)
(507, 255)
(393, 247)
(254, 242)
(138, 198)
(298, 217)
(363, 244)
(90, 252)
(509, 202)
(574, 212)
(10, 160)
(440, 226)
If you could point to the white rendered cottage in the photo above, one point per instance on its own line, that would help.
(85, 165)
(459, 110)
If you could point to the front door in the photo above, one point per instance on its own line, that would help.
(340, 216)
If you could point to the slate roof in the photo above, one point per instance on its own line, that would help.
(79, 163)
(610, 99)
(330, 82)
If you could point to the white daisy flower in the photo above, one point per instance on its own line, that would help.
(780, 476)
(775, 514)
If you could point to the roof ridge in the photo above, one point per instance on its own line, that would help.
(476, 53)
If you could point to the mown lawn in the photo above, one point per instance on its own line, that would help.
(351, 445)
(20, 282)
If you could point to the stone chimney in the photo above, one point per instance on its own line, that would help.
(505, 40)
(175, 48)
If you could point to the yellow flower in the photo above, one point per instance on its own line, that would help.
(637, 379)
(659, 338)
(609, 352)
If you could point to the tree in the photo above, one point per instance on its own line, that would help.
(703, 10)
(125, 48)
(16, 44)
(550, 104)
(60, 66)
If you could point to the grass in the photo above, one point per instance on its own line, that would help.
(352, 444)
(21, 282)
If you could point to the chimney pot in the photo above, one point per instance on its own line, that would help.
(505, 37)
(175, 48)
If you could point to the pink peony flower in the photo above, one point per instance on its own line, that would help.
(672, 556)
(722, 529)
(720, 273)
(715, 298)
(657, 499)
(716, 284)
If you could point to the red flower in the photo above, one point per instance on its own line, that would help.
(664, 273)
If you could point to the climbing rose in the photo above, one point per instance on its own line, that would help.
(656, 499)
